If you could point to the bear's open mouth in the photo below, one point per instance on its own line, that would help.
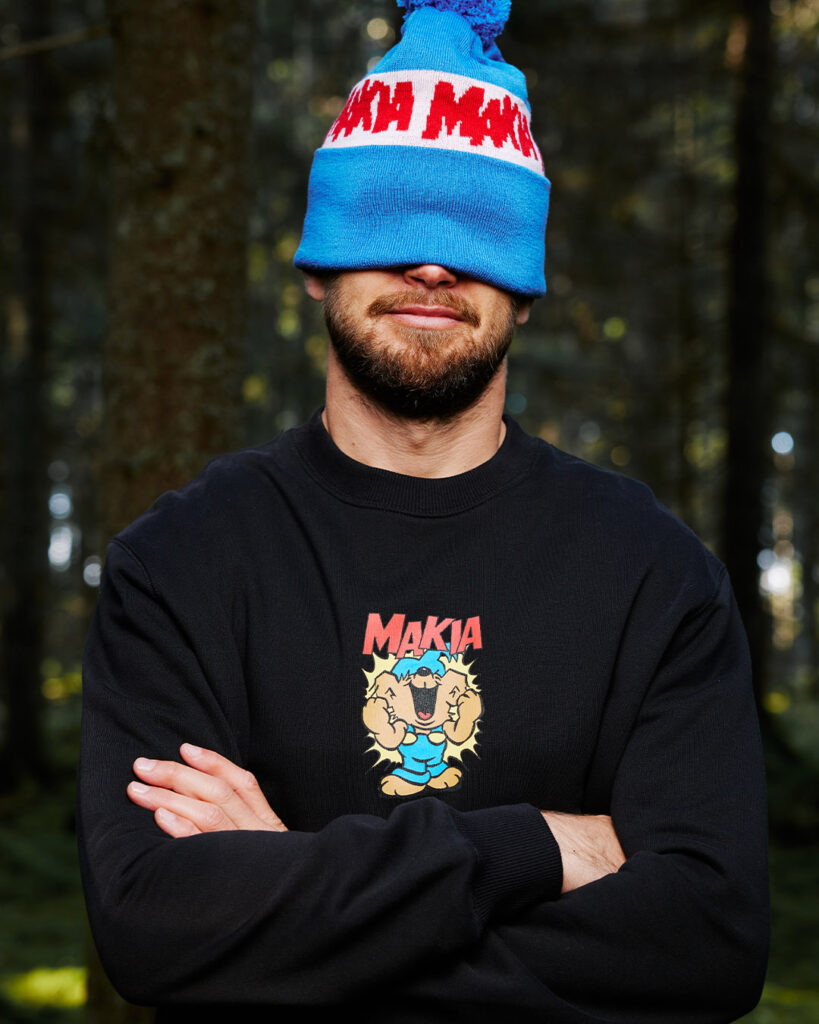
(424, 699)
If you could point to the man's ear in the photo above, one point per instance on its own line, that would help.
(314, 286)
(523, 311)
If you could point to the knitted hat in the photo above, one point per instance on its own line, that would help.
(432, 159)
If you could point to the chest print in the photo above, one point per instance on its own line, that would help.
(422, 704)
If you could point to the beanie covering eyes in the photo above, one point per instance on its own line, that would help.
(432, 159)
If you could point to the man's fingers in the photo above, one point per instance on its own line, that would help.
(241, 781)
(204, 817)
(228, 792)
(188, 782)
(175, 826)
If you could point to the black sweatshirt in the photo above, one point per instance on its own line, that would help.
(260, 609)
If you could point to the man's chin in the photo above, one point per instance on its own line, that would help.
(409, 401)
(421, 378)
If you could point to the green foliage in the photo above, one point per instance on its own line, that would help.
(791, 994)
(42, 908)
(786, 1006)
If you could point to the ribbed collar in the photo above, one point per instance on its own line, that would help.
(358, 484)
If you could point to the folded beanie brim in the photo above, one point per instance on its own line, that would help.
(488, 222)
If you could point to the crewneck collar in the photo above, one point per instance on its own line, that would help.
(367, 486)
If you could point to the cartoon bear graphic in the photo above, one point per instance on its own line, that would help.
(417, 711)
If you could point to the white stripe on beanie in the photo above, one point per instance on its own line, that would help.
(437, 110)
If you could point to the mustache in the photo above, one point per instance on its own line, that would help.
(389, 303)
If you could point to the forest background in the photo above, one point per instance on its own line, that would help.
(153, 168)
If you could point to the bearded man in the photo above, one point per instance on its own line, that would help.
(429, 720)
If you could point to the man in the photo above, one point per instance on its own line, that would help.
(495, 701)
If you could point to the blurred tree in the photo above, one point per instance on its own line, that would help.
(27, 323)
(794, 274)
(750, 51)
(182, 76)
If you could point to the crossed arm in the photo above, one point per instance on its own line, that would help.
(206, 792)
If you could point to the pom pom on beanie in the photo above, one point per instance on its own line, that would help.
(487, 17)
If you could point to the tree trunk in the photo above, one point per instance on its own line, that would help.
(749, 396)
(182, 87)
(24, 419)
(172, 360)
(809, 472)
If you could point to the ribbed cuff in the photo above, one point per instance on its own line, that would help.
(519, 859)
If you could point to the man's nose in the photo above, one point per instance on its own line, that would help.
(430, 275)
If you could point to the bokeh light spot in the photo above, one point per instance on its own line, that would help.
(47, 986)
(782, 443)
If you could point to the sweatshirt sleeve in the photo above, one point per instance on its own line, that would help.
(263, 917)
(680, 932)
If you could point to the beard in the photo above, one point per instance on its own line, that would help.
(418, 373)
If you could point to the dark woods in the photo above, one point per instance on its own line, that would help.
(153, 166)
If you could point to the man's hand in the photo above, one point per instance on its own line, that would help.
(589, 846)
(207, 794)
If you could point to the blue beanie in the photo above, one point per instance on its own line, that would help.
(432, 159)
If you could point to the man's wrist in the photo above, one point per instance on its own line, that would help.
(589, 847)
